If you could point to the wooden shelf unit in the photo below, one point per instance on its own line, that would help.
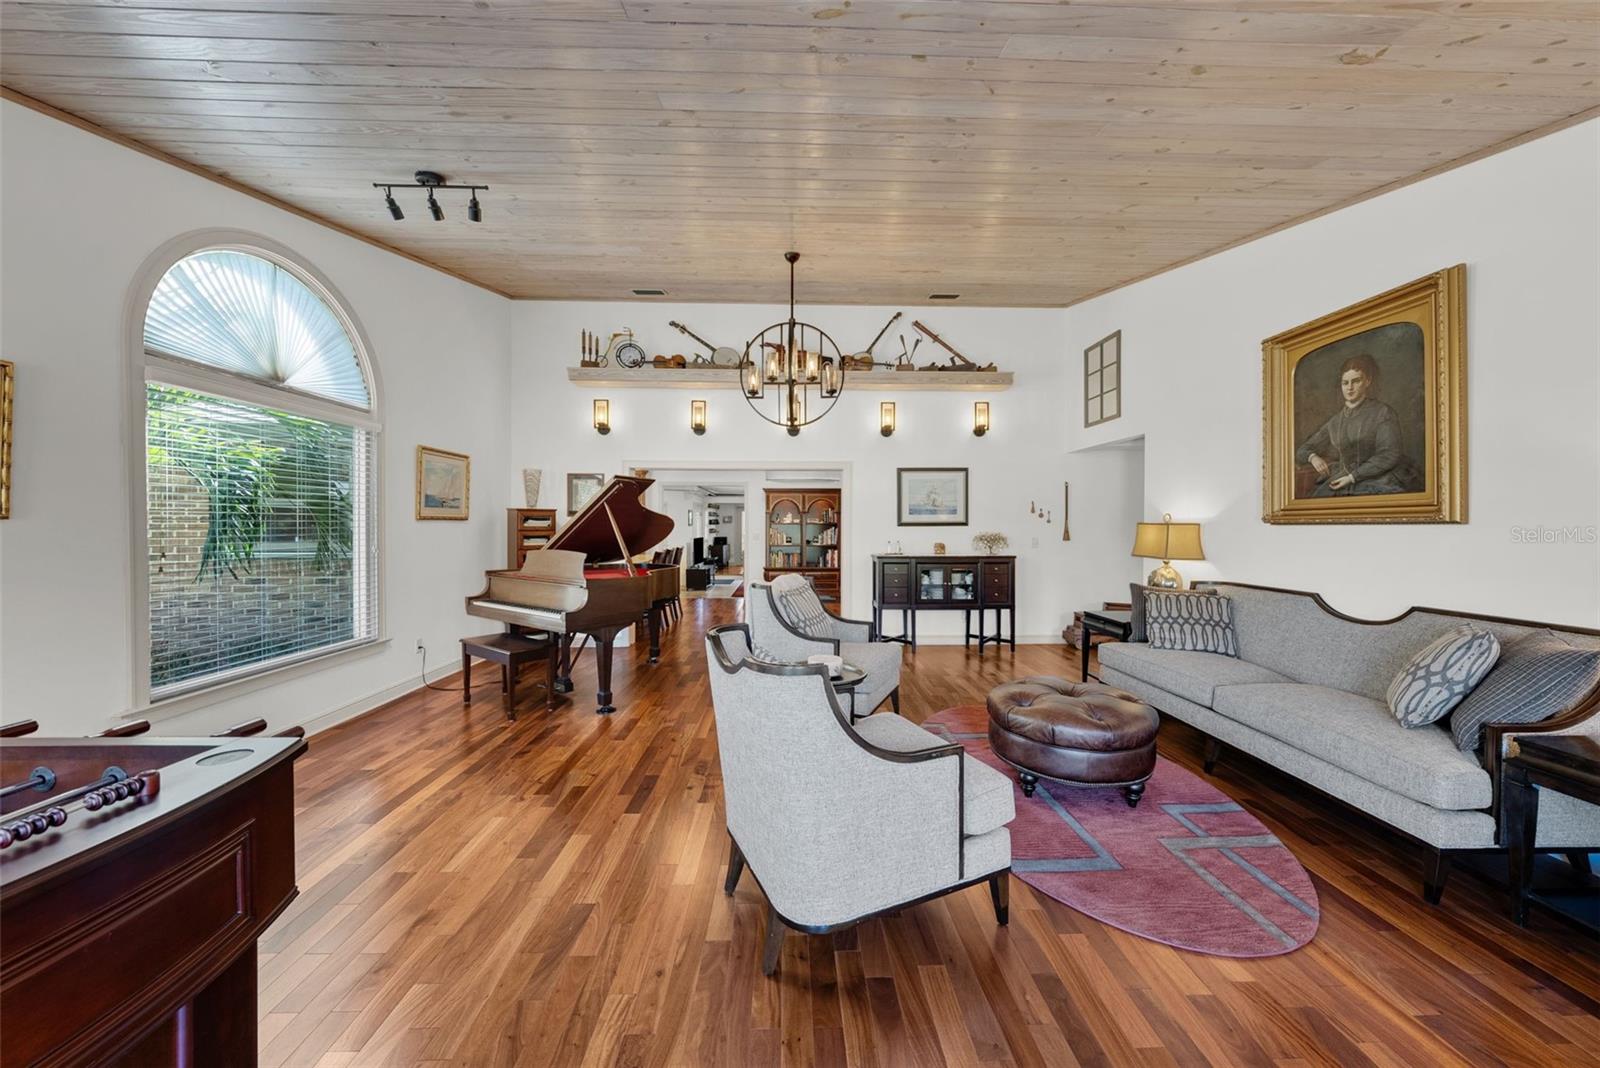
(803, 537)
(703, 377)
(527, 528)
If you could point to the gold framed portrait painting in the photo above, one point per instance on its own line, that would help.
(1364, 411)
(444, 484)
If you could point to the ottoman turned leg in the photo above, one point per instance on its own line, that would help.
(1029, 782)
(1132, 792)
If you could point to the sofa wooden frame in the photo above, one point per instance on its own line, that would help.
(777, 923)
(1437, 861)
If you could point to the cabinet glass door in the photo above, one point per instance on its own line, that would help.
(964, 584)
(932, 583)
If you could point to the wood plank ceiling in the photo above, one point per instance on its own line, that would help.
(1016, 153)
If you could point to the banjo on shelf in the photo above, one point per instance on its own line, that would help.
(721, 355)
(863, 361)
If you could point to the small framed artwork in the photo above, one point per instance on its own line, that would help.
(8, 388)
(581, 488)
(931, 496)
(1102, 380)
(1365, 410)
(444, 484)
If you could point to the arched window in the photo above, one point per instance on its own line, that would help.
(259, 461)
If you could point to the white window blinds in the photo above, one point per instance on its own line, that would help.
(262, 547)
(247, 315)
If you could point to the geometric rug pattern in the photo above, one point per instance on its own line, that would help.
(1188, 867)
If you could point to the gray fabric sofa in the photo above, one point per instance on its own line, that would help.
(1307, 696)
(840, 821)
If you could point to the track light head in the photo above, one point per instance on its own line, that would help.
(434, 209)
(474, 211)
(390, 203)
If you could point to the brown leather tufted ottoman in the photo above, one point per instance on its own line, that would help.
(1079, 733)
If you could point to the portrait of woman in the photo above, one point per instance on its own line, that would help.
(1360, 449)
(1364, 416)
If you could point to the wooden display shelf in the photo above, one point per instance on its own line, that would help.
(728, 378)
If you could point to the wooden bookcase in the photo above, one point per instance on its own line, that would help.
(527, 528)
(803, 528)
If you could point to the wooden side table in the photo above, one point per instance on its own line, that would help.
(511, 652)
(1564, 763)
(1108, 623)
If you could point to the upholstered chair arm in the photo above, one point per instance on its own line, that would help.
(851, 630)
(1582, 718)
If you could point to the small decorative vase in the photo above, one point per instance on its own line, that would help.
(532, 478)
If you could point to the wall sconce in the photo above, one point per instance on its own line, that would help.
(602, 415)
(980, 418)
(886, 418)
(697, 416)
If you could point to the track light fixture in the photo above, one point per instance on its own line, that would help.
(431, 180)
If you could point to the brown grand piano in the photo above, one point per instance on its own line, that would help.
(584, 581)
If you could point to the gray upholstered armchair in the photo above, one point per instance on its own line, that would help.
(789, 623)
(838, 822)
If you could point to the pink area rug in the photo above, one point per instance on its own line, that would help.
(1187, 867)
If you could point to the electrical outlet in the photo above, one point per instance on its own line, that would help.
(419, 646)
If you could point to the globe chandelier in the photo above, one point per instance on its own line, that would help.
(791, 373)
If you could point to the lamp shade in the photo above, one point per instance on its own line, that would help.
(1167, 540)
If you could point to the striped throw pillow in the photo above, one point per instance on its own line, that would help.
(1539, 675)
(1440, 676)
(1193, 624)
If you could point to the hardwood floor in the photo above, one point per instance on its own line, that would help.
(549, 891)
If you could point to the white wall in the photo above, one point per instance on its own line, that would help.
(1019, 461)
(80, 216)
(1527, 224)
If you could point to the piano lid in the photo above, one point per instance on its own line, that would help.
(617, 514)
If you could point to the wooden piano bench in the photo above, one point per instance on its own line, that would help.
(511, 652)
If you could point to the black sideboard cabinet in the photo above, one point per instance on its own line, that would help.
(912, 584)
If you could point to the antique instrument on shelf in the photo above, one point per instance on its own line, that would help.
(132, 902)
(863, 360)
(676, 360)
(957, 362)
(584, 581)
(721, 355)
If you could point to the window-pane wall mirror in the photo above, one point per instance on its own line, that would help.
(1102, 380)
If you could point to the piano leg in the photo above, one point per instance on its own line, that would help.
(654, 616)
(603, 638)
(564, 672)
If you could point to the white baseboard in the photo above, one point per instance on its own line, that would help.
(363, 705)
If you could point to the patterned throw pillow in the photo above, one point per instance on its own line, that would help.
(1441, 675)
(1137, 630)
(803, 611)
(1193, 624)
(1539, 675)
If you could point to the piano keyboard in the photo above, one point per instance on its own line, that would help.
(519, 614)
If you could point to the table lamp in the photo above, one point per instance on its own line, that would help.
(1167, 541)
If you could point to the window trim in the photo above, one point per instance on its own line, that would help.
(144, 366)
(1100, 346)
